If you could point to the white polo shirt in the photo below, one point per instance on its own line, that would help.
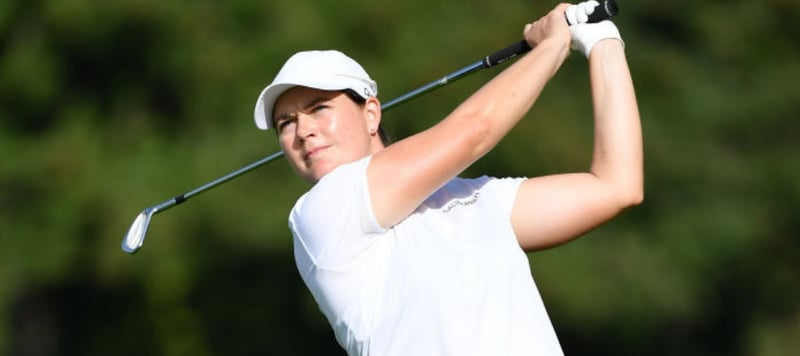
(450, 279)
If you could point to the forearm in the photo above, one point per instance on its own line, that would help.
(504, 100)
(618, 156)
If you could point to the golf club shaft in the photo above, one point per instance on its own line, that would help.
(185, 196)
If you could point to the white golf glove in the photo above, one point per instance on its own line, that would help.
(586, 35)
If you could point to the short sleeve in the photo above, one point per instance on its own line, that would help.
(504, 190)
(334, 221)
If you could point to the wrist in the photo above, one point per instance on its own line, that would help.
(608, 45)
(555, 45)
(586, 36)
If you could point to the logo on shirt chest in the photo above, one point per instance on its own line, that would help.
(472, 199)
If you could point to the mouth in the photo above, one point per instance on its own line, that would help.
(313, 153)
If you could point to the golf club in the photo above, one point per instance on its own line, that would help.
(134, 238)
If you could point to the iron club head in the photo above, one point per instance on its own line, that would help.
(135, 237)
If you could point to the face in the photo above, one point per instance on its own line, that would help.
(319, 130)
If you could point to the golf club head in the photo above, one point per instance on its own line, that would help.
(135, 237)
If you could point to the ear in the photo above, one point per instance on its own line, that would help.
(372, 110)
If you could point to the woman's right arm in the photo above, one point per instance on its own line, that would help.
(403, 175)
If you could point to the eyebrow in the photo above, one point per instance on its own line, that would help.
(310, 104)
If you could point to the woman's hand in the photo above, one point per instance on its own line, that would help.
(551, 27)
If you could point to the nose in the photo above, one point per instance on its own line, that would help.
(306, 126)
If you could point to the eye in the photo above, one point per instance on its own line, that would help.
(319, 107)
(284, 122)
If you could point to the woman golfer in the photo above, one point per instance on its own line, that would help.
(404, 257)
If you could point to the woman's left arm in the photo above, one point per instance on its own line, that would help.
(552, 210)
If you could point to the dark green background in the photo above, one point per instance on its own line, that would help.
(107, 107)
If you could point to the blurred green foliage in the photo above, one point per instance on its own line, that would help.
(107, 107)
